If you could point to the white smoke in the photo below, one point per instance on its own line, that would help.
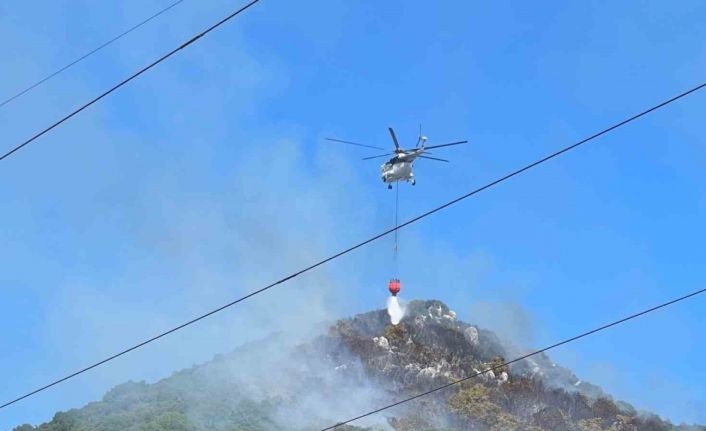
(295, 386)
(395, 310)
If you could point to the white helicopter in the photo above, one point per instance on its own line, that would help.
(399, 167)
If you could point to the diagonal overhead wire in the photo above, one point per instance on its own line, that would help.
(360, 244)
(125, 81)
(90, 53)
(537, 352)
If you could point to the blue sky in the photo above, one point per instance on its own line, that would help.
(209, 177)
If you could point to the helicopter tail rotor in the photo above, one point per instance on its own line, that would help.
(421, 140)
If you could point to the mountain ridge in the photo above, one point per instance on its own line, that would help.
(358, 364)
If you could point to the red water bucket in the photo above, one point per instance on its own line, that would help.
(395, 285)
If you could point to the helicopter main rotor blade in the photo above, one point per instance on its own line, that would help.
(447, 145)
(354, 143)
(375, 157)
(434, 158)
(419, 139)
(394, 138)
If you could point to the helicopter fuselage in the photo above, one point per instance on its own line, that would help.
(397, 171)
(399, 168)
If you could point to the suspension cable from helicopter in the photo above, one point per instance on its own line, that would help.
(363, 243)
(397, 222)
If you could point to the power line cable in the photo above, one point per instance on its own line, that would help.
(140, 72)
(501, 366)
(357, 246)
(90, 53)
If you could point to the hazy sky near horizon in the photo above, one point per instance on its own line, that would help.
(209, 177)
